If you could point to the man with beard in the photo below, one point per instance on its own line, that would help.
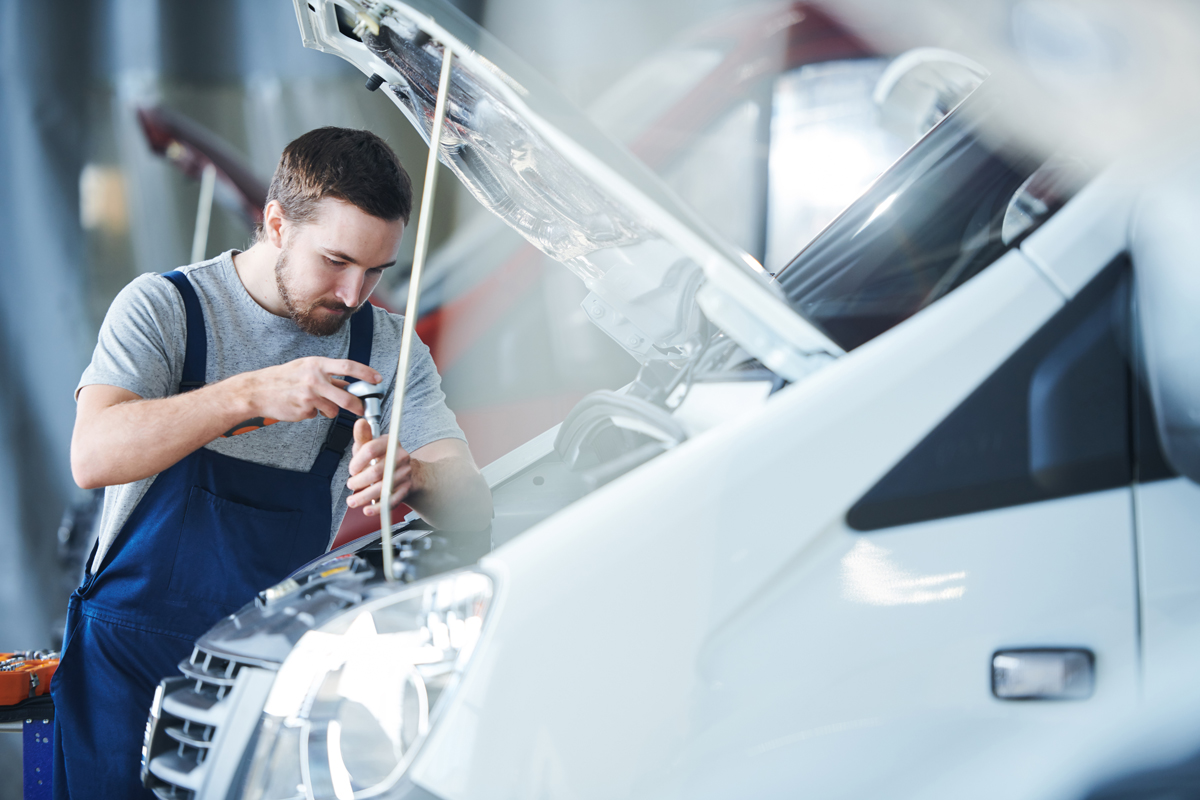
(215, 412)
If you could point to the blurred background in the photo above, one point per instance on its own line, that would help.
(754, 113)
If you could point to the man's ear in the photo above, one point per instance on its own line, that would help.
(273, 220)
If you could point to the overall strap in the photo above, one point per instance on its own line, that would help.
(341, 432)
(195, 356)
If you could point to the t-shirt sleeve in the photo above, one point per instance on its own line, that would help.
(426, 417)
(142, 340)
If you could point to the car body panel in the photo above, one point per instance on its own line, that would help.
(717, 605)
(1168, 564)
(696, 569)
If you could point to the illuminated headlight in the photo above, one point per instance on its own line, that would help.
(354, 700)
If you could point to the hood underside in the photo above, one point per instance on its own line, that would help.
(651, 265)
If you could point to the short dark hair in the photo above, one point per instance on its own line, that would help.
(351, 165)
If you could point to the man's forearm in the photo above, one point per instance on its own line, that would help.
(119, 437)
(137, 438)
(450, 494)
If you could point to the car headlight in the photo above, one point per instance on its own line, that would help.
(354, 700)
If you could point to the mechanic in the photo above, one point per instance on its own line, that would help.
(214, 411)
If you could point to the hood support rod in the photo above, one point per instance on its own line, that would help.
(410, 313)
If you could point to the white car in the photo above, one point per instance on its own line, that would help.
(885, 513)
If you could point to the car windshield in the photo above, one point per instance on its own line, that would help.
(953, 204)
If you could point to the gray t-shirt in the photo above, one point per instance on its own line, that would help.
(141, 348)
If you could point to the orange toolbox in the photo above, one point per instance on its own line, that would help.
(25, 674)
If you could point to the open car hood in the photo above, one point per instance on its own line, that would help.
(539, 164)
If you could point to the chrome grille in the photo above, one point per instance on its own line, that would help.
(187, 713)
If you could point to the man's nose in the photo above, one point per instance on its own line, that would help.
(350, 287)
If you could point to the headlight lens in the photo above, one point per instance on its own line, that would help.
(353, 701)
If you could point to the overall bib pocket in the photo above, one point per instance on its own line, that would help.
(229, 551)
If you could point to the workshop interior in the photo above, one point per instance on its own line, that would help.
(832, 366)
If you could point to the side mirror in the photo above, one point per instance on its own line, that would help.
(1165, 248)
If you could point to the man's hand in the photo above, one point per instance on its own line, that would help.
(366, 471)
(299, 389)
(440, 481)
(120, 437)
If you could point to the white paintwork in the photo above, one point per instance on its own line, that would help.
(713, 629)
(591, 681)
(516, 460)
(1094, 228)
(734, 301)
(1169, 559)
(1165, 245)
(1043, 762)
(903, 625)
(708, 405)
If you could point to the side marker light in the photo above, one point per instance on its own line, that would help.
(1043, 674)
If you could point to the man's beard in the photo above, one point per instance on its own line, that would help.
(307, 318)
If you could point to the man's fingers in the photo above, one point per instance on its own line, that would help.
(351, 369)
(362, 433)
(365, 478)
(343, 398)
(325, 407)
(372, 475)
(365, 497)
(301, 388)
(366, 452)
(375, 450)
(366, 485)
(397, 498)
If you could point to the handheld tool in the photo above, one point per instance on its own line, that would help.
(372, 397)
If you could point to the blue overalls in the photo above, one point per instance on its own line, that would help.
(210, 532)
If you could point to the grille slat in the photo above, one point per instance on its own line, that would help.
(177, 733)
(180, 770)
(166, 791)
(205, 676)
(194, 707)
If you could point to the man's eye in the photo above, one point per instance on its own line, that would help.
(334, 262)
